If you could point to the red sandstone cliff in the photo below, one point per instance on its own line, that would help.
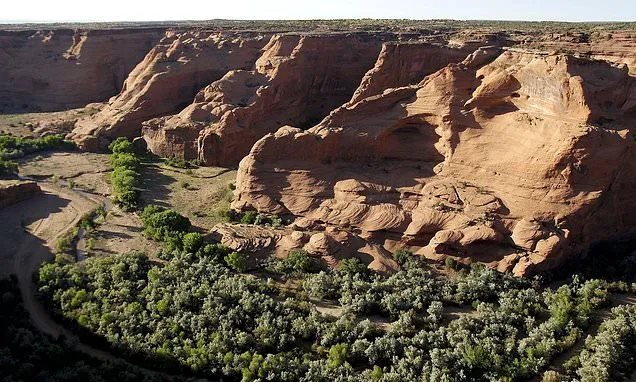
(62, 69)
(297, 80)
(167, 78)
(515, 159)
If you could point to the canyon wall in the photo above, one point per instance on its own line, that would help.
(298, 79)
(168, 78)
(514, 159)
(51, 70)
(511, 148)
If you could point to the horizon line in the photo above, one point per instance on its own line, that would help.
(56, 21)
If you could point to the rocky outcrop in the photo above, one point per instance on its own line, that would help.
(614, 46)
(14, 191)
(50, 70)
(401, 64)
(515, 159)
(297, 80)
(331, 245)
(167, 79)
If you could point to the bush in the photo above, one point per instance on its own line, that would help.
(297, 261)
(401, 256)
(160, 223)
(124, 179)
(121, 145)
(126, 160)
(236, 261)
(192, 242)
(125, 184)
(15, 147)
(218, 252)
(177, 162)
(352, 266)
(451, 264)
(249, 217)
(338, 355)
(8, 168)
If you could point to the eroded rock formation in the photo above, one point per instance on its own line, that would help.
(61, 69)
(297, 80)
(14, 191)
(167, 79)
(514, 159)
(512, 148)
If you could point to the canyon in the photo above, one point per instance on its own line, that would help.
(512, 148)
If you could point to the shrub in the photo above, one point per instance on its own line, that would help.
(124, 179)
(401, 256)
(160, 223)
(8, 167)
(249, 217)
(297, 261)
(352, 266)
(177, 162)
(277, 221)
(338, 355)
(126, 160)
(192, 242)
(16, 147)
(125, 182)
(236, 261)
(217, 252)
(121, 145)
(451, 264)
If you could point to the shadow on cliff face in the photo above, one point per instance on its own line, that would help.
(606, 88)
(610, 260)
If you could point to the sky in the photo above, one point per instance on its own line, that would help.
(161, 10)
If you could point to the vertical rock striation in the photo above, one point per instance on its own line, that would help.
(51, 70)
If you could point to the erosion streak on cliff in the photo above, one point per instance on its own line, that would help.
(63, 69)
(297, 80)
(168, 78)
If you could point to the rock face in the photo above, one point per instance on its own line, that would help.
(297, 80)
(402, 64)
(13, 191)
(62, 69)
(331, 245)
(167, 79)
(510, 148)
(514, 159)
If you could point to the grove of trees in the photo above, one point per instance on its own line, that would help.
(196, 314)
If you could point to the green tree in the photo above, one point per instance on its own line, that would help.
(121, 145)
(192, 242)
(236, 261)
(401, 256)
(249, 217)
(338, 355)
